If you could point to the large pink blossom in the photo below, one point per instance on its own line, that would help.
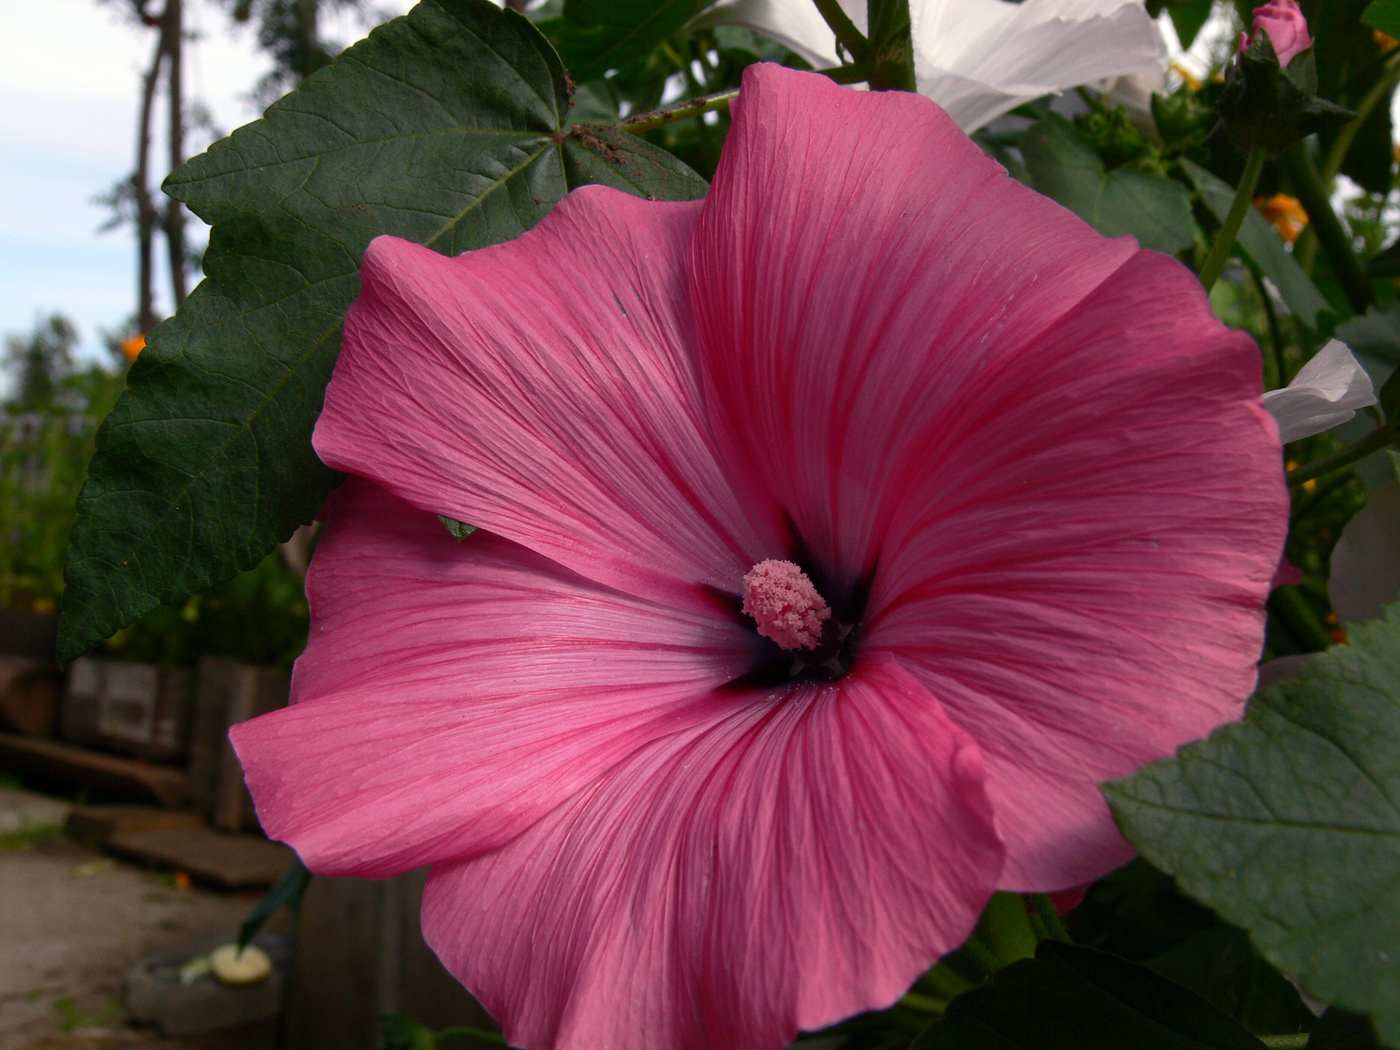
(1020, 505)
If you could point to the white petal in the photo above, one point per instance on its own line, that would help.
(980, 58)
(1327, 391)
(796, 24)
(1365, 573)
(1018, 52)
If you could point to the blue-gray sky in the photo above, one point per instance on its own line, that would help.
(68, 100)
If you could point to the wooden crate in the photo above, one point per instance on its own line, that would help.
(131, 708)
(228, 692)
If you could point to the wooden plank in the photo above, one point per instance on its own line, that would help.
(360, 953)
(229, 692)
(124, 777)
(29, 692)
(97, 824)
(232, 862)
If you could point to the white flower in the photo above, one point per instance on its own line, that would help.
(1327, 391)
(980, 58)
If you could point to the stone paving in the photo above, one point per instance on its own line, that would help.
(73, 921)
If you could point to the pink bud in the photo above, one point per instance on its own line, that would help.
(1286, 26)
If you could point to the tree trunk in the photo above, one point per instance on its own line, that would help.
(146, 216)
(172, 31)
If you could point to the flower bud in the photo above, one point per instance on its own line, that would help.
(1286, 26)
(1270, 98)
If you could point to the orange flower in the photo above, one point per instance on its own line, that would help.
(1285, 215)
(132, 347)
(1384, 41)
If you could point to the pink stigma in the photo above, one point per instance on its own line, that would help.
(785, 604)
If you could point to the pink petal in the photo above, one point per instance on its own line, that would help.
(544, 389)
(858, 263)
(453, 694)
(800, 859)
(1079, 569)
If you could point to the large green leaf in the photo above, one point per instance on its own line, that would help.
(1383, 15)
(594, 36)
(1288, 823)
(1074, 998)
(447, 127)
(1064, 166)
(1263, 246)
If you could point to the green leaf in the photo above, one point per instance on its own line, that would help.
(288, 891)
(1188, 18)
(611, 157)
(595, 36)
(1383, 15)
(1064, 166)
(460, 530)
(1075, 998)
(446, 127)
(1263, 247)
(1340, 1030)
(1221, 967)
(1288, 823)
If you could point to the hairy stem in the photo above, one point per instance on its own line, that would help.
(846, 32)
(659, 118)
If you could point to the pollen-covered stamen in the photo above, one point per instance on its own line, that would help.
(785, 604)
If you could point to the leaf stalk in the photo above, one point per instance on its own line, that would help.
(1229, 231)
(1373, 442)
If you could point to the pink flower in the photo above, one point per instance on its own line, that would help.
(1023, 469)
(1286, 26)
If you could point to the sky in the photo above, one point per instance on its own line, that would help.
(68, 100)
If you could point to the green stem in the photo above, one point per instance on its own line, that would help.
(1230, 229)
(846, 32)
(924, 1003)
(981, 956)
(1289, 605)
(659, 118)
(1045, 909)
(945, 981)
(1286, 1042)
(1327, 227)
(892, 44)
(464, 1032)
(851, 73)
(1376, 440)
(1379, 90)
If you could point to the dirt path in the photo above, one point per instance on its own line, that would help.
(72, 921)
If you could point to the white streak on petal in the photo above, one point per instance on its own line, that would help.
(1327, 391)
